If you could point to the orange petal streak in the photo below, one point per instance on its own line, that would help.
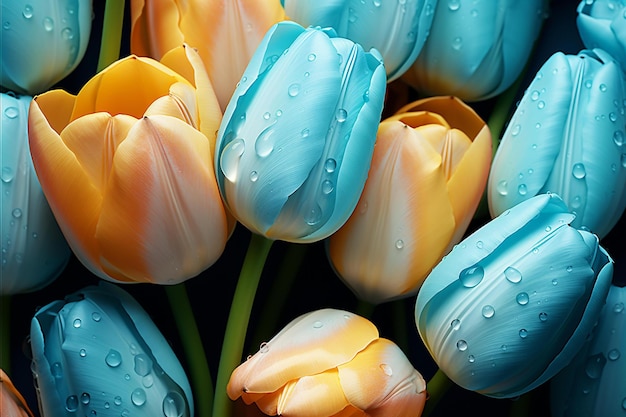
(154, 27)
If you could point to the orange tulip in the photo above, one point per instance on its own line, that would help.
(226, 33)
(12, 403)
(428, 173)
(126, 166)
(330, 363)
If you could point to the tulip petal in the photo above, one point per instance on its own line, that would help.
(12, 402)
(154, 27)
(57, 105)
(313, 343)
(318, 395)
(160, 190)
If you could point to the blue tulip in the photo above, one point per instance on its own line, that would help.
(602, 24)
(513, 303)
(567, 137)
(476, 50)
(34, 251)
(98, 353)
(297, 137)
(396, 29)
(42, 42)
(594, 383)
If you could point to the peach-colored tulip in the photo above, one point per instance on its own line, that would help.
(12, 403)
(330, 363)
(428, 173)
(225, 32)
(126, 166)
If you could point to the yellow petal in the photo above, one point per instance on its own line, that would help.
(73, 198)
(310, 344)
(319, 395)
(403, 221)
(57, 105)
(179, 103)
(154, 27)
(128, 86)
(382, 381)
(162, 217)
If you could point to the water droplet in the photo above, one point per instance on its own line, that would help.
(523, 333)
(48, 24)
(522, 189)
(293, 90)
(479, 244)
(117, 400)
(17, 213)
(471, 359)
(11, 112)
(602, 87)
(515, 130)
(138, 397)
(555, 281)
(305, 133)
(352, 17)
(377, 3)
(534, 96)
(472, 276)
(522, 298)
(67, 34)
(318, 324)
(386, 369)
(502, 187)
(279, 113)
(366, 96)
(455, 324)
(263, 348)
(595, 365)
(6, 25)
(513, 275)
(85, 398)
(77, 323)
(569, 268)
(82, 353)
(113, 358)
(330, 165)
(399, 244)
(461, 345)
(311, 57)
(457, 43)
(254, 176)
(147, 381)
(28, 11)
(541, 104)
(341, 115)
(618, 307)
(618, 137)
(264, 144)
(613, 354)
(623, 160)
(71, 403)
(578, 171)
(503, 348)
(7, 174)
(313, 216)
(56, 370)
(488, 311)
(454, 5)
(229, 160)
(143, 364)
(543, 316)
(95, 316)
(173, 405)
(327, 187)
(267, 115)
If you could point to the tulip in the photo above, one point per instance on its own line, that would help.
(397, 30)
(225, 32)
(98, 353)
(329, 363)
(601, 24)
(34, 251)
(42, 42)
(476, 51)
(428, 173)
(128, 174)
(566, 137)
(12, 403)
(297, 137)
(512, 304)
(593, 383)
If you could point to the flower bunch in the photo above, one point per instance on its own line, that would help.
(431, 193)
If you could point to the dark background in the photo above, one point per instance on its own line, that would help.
(315, 286)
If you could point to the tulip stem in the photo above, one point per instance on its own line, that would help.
(238, 318)
(194, 350)
(5, 333)
(437, 387)
(111, 33)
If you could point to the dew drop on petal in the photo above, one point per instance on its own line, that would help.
(543, 316)
(48, 24)
(523, 333)
(173, 405)
(341, 115)
(488, 311)
(327, 186)
(293, 90)
(386, 369)
(77, 323)
(229, 160)
(143, 364)
(618, 307)
(95, 316)
(522, 298)
(455, 324)
(56, 370)
(113, 358)
(11, 112)
(330, 165)
(472, 276)
(85, 398)
(461, 345)
(138, 397)
(513, 275)
(502, 187)
(71, 403)
(595, 365)
(28, 11)
(578, 171)
(263, 347)
(318, 324)
(613, 354)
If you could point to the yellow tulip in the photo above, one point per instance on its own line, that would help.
(126, 166)
(428, 173)
(226, 33)
(12, 403)
(330, 363)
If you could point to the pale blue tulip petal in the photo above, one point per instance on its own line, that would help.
(592, 384)
(99, 353)
(601, 24)
(53, 34)
(34, 251)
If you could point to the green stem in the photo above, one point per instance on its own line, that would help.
(5, 333)
(194, 350)
(437, 387)
(111, 33)
(238, 318)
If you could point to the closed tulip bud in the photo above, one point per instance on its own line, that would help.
(98, 353)
(428, 173)
(225, 33)
(297, 137)
(567, 137)
(12, 403)
(329, 363)
(593, 383)
(512, 304)
(42, 42)
(602, 24)
(476, 51)
(34, 251)
(397, 30)
(127, 168)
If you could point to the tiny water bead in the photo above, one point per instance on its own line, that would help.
(327, 186)
(341, 115)
(613, 354)
(330, 165)
(399, 244)
(488, 311)
(472, 276)
(595, 366)
(543, 316)
(113, 358)
(71, 403)
(77, 323)
(173, 405)
(461, 345)
(318, 324)
(138, 397)
(143, 364)
(48, 24)
(502, 188)
(254, 176)
(386, 369)
(455, 324)
(11, 112)
(578, 171)
(85, 398)
(523, 333)
(28, 11)
(522, 298)
(263, 347)
(454, 5)
(293, 90)
(513, 275)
